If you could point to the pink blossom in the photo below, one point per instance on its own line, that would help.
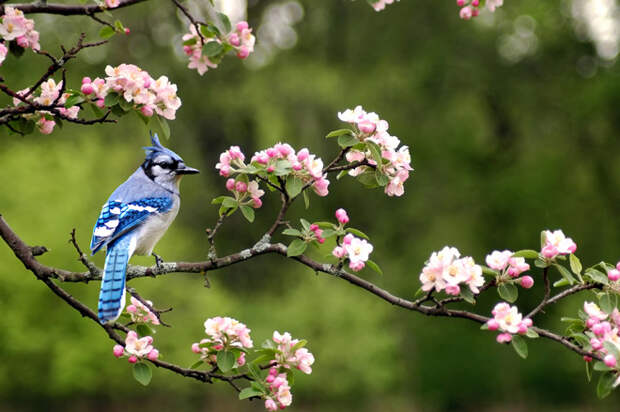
(432, 275)
(492, 324)
(228, 332)
(270, 405)
(504, 338)
(3, 52)
(111, 4)
(358, 251)
(527, 282)
(230, 184)
(118, 351)
(379, 5)
(153, 355)
(241, 187)
(196, 348)
(498, 260)
(256, 203)
(341, 216)
(494, 4)
(517, 266)
(132, 359)
(138, 347)
(509, 320)
(241, 359)
(46, 126)
(243, 52)
(339, 252)
(594, 311)
(140, 313)
(466, 13)
(613, 274)
(320, 186)
(610, 361)
(556, 243)
(453, 290)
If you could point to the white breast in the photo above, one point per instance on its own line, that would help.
(154, 228)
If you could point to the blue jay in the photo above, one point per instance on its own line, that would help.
(134, 218)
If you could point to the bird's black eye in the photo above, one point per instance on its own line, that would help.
(167, 164)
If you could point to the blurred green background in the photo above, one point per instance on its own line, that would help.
(513, 124)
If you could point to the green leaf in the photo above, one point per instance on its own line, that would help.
(142, 373)
(519, 345)
(612, 349)
(248, 213)
(575, 264)
(346, 140)
(488, 271)
(588, 372)
(531, 333)
(212, 48)
(605, 384)
(197, 364)
(291, 232)
(225, 21)
(190, 42)
(375, 151)
(601, 367)
(306, 199)
(368, 179)
(227, 210)
(268, 344)
(565, 273)
(418, 292)
(382, 179)
(305, 224)
(296, 248)
(165, 128)
(597, 276)
(526, 253)
(229, 202)
(339, 132)
(225, 360)
(508, 292)
(254, 370)
(357, 233)
(73, 100)
(582, 340)
(248, 393)
(561, 283)
(111, 99)
(106, 32)
(293, 186)
(539, 263)
(119, 25)
(607, 303)
(327, 233)
(144, 330)
(125, 105)
(117, 111)
(218, 200)
(372, 265)
(468, 295)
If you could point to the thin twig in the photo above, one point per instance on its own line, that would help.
(543, 302)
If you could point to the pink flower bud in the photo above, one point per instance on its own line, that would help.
(596, 344)
(465, 13)
(610, 361)
(475, 3)
(242, 25)
(314, 227)
(613, 274)
(188, 50)
(87, 89)
(504, 338)
(549, 251)
(587, 358)
(118, 351)
(132, 309)
(241, 187)
(234, 39)
(453, 290)
(243, 52)
(270, 405)
(154, 354)
(475, 12)
(100, 104)
(127, 31)
(339, 252)
(219, 346)
(86, 80)
(22, 41)
(297, 166)
(460, 3)
(527, 282)
(618, 266)
(195, 348)
(522, 328)
(271, 152)
(132, 359)
(256, 202)
(241, 360)
(147, 110)
(347, 239)
(230, 184)
(270, 378)
(591, 322)
(492, 324)
(357, 265)
(527, 322)
(598, 329)
(321, 240)
(271, 168)
(225, 171)
(342, 216)
(304, 153)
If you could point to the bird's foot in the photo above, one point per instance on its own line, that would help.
(159, 262)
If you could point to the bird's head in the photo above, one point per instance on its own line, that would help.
(164, 166)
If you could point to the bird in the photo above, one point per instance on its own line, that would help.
(134, 218)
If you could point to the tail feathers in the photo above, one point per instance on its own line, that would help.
(112, 294)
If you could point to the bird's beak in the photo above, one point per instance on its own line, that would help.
(186, 170)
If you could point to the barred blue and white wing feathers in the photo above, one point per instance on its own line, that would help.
(118, 218)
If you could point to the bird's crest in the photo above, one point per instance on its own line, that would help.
(157, 148)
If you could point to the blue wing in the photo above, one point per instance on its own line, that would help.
(118, 218)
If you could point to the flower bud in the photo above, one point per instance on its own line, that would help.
(86, 80)
(154, 354)
(256, 202)
(118, 351)
(314, 227)
(241, 187)
(127, 31)
(504, 338)
(321, 240)
(339, 252)
(591, 322)
(610, 360)
(527, 282)
(270, 169)
(366, 126)
(87, 89)
(270, 405)
(475, 3)
(195, 348)
(132, 309)
(243, 52)
(230, 184)
(342, 216)
(304, 153)
(100, 103)
(242, 25)
(587, 358)
(492, 324)
(241, 360)
(132, 359)
(618, 266)
(613, 275)
(453, 290)
(347, 239)
(460, 3)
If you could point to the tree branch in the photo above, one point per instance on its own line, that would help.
(66, 9)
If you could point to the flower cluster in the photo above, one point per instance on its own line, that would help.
(205, 54)
(555, 243)
(317, 233)
(280, 395)
(603, 330)
(137, 87)
(140, 313)
(355, 249)
(394, 164)
(50, 95)
(246, 193)
(508, 321)
(471, 8)
(614, 274)
(224, 333)
(16, 27)
(379, 5)
(290, 353)
(445, 271)
(136, 348)
(505, 263)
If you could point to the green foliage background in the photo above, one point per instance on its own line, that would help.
(501, 152)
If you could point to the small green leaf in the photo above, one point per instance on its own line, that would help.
(468, 295)
(218, 200)
(125, 105)
(607, 302)
(296, 248)
(209, 30)
(106, 32)
(248, 213)
(306, 199)
(165, 127)
(212, 48)
(142, 373)
(375, 151)
(339, 132)
(605, 384)
(575, 264)
(588, 372)
(229, 202)
(601, 367)
(305, 224)
(372, 265)
(197, 364)
(268, 344)
(346, 140)
(382, 179)
(561, 283)
(531, 333)
(73, 100)
(526, 253)
(291, 232)
(488, 271)
(293, 186)
(597, 276)
(539, 263)
(519, 345)
(225, 22)
(225, 360)
(565, 273)
(111, 99)
(119, 25)
(190, 42)
(254, 370)
(144, 330)
(418, 292)
(508, 292)
(248, 393)
(357, 232)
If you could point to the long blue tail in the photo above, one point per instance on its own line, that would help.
(112, 294)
